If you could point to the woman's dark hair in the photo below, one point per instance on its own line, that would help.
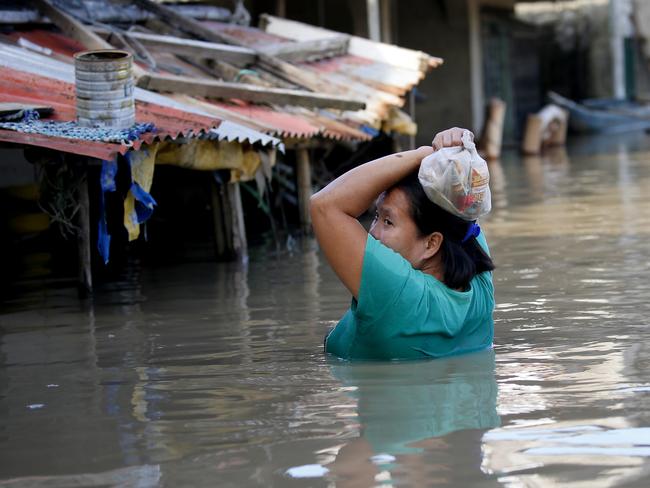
(461, 261)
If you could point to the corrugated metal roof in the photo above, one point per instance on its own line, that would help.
(281, 121)
(32, 78)
(30, 88)
(381, 83)
(271, 121)
(230, 131)
(278, 121)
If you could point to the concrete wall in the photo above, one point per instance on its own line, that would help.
(439, 28)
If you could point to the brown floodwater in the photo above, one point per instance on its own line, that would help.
(209, 374)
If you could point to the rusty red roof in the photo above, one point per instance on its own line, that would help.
(303, 124)
(29, 88)
(279, 122)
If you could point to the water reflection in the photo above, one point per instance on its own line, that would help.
(406, 409)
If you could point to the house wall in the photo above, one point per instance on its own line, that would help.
(439, 28)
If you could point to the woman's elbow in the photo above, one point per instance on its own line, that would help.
(317, 205)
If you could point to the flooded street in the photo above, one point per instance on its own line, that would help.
(211, 374)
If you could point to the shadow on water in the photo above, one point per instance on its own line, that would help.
(213, 373)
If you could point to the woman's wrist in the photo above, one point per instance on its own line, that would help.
(423, 151)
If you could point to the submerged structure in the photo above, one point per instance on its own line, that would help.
(212, 95)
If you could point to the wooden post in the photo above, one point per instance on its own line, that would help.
(493, 131)
(281, 8)
(252, 93)
(303, 170)
(239, 242)
(218, 220)
(83, 238)
(532, 142)
(374, 23)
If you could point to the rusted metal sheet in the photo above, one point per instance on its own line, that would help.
(279, 122)
(29, 88)
(283, 124)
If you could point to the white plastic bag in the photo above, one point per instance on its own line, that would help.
(457, 179)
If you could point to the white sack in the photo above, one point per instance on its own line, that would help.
(457, 179)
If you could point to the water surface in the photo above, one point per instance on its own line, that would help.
(213, 374)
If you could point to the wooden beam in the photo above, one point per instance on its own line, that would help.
(83, 238)
(221, 89)
(222, 69)
(72, 27)
(306, 51)
(184, 23)
(239, 241)
(277, 66)
(385, 14)
(377, 51)
(76, 30)
(237, 55)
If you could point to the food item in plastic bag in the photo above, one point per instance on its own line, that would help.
(457, 179)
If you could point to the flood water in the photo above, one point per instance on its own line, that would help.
(213, 374)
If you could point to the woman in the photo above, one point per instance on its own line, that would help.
(421, 280)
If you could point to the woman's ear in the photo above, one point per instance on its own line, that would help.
(434, 242)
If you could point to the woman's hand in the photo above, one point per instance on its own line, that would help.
(448, 138)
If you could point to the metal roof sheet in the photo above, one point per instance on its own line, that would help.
(231, 131)
(275, 121)
(288, 122)
(32, 78)
(381, 84)
(30, 88)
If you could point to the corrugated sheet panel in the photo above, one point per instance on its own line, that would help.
(379, 84)
(382, 76)
(270, 121)
(230, 131)
(32, 78)
(29, 88)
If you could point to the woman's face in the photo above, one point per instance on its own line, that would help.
(394, 227)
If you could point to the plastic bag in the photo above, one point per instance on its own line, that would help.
(457, 179)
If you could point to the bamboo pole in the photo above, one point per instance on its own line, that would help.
(83, 238)
(303, 170)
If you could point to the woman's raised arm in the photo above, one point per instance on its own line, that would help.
(335, 209)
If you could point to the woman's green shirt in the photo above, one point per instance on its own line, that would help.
(403, 313)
